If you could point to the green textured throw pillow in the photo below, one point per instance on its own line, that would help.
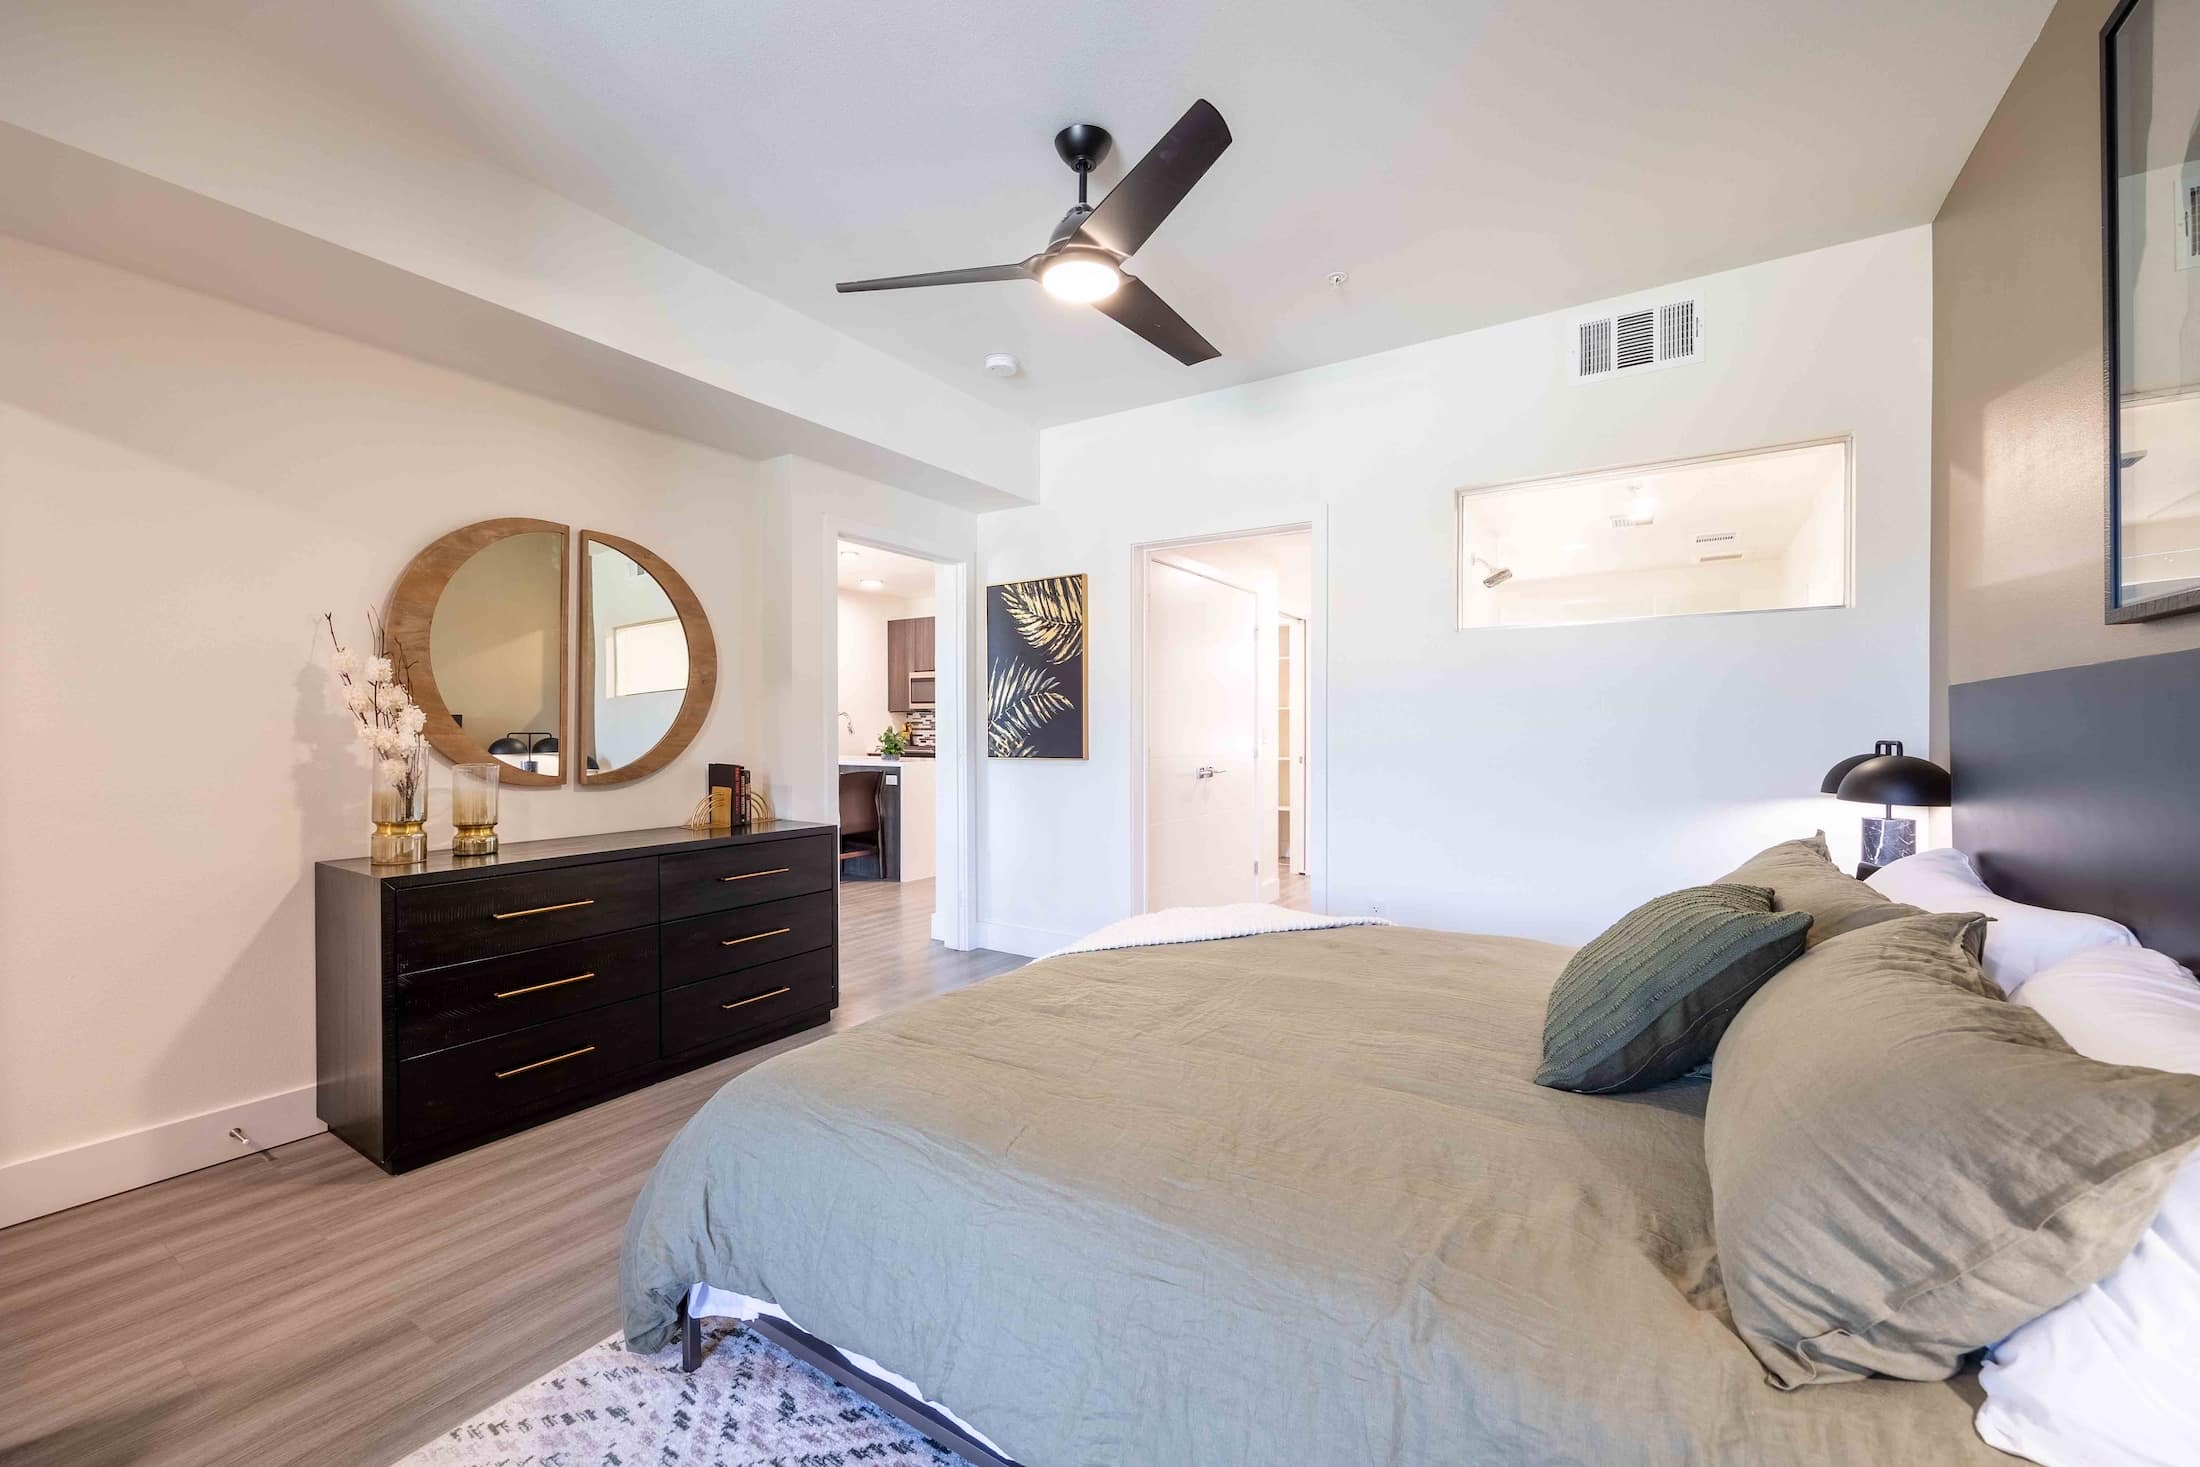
(1647, 999)
(1803, 878)
(1905, 1167)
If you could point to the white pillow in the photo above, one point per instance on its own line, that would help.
(2112, 1378)
(2020, 940)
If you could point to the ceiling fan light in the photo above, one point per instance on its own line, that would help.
(1083, 278)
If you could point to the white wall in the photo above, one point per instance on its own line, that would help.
(1620, 595)
(185, 486)
(863, 618)
(1534, 781)
(1814, 570)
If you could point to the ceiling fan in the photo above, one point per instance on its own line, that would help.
(1083, 260)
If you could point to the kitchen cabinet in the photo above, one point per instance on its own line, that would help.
(908, 650)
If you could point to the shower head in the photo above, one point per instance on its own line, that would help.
(1498, 574)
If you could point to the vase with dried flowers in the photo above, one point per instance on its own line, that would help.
(390, 725)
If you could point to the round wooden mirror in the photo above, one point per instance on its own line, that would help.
(649, 666)
(477, 623)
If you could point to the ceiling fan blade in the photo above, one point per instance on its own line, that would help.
(1021, 270)
(1135, 305)
(1134, 208)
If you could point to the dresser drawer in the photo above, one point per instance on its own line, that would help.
(503, 914)
(695, 882)
(724, 1008)
(478, 1086)
(440, 1007)
(726, 942)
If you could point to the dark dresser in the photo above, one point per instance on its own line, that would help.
(468, 997)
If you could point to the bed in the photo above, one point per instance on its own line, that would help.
(1288, 1198)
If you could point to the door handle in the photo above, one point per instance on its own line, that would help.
(1207, 771)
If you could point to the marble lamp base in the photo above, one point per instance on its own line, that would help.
(1888, 841)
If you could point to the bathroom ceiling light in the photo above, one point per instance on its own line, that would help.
(871, 583)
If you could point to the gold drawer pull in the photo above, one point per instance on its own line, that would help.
(539, 987)
(744, 1003)
(538, 911)
(538, 1064)
(752, 875)
(759, 937)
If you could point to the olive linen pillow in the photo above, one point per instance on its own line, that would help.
(1905, 1167)
(1804, 879)
(1647, 999)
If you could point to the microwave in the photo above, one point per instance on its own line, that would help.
(920, 689)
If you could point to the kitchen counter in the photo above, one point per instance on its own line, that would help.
(918, 793)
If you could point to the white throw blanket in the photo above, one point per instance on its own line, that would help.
(1206, 924)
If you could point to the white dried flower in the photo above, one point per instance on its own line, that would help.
(359, 698)
(413, 719)
(394, 770)
(382, 740)
(391, 698)
(378, 670)
(408, 739)
(345, 663)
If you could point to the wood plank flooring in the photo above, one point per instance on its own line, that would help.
(298, 1306)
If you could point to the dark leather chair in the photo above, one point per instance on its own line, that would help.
(862, 824)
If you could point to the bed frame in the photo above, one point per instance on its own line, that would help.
(2080, 789)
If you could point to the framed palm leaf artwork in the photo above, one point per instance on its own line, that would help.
(1035, 669)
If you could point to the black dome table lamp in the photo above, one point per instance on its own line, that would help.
(1887, 777)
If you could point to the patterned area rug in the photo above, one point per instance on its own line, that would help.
(750, 1405)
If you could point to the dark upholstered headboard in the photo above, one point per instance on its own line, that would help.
(2080, 788)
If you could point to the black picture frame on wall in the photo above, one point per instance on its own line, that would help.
(2115, 607)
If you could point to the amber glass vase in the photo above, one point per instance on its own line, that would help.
(398, 805)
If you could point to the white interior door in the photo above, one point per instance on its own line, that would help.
(1202, 743)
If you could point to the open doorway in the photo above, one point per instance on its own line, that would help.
(1226, 718)
(886, 725)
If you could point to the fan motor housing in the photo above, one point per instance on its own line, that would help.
(1083, 145)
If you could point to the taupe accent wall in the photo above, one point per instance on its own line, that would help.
(2019, 421)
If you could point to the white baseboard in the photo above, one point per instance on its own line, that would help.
(38, 1185)
(1027, 942)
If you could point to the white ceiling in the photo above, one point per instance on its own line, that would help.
(902, 576)
(1466, 161)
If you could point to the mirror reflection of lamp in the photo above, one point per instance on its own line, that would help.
(531, 749)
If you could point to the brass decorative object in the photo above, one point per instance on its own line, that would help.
(474, 809)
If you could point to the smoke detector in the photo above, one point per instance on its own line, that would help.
(1003, 364)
